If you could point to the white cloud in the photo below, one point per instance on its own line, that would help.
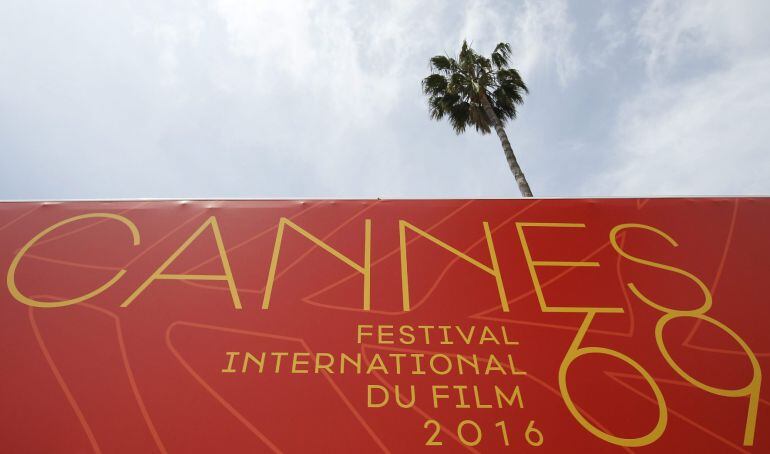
(672, 31)
(693, 126)
(540, 33)
(612, 36)
(546, 35)
(702, 137)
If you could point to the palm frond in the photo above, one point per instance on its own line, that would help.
(511, 76)
(480, 120)
(458, 83)
(500, 55)
(441, 63)
(436, 110)
(434, 84)
(459, 116)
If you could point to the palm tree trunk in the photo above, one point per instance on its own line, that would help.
(507, 149)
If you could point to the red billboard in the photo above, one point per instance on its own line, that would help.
(385, 326)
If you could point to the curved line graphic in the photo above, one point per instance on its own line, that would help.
(63, 384)
(222, 401)
(232, 409)
(126, 365)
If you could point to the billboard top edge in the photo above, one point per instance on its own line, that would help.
(355, 199)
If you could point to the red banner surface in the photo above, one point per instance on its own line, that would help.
(385, 326)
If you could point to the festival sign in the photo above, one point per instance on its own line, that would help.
(386, 326)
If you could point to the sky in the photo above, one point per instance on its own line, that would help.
(322, 99)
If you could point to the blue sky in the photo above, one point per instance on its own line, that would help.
(218, 99)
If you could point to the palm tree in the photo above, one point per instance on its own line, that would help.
(478, 91)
